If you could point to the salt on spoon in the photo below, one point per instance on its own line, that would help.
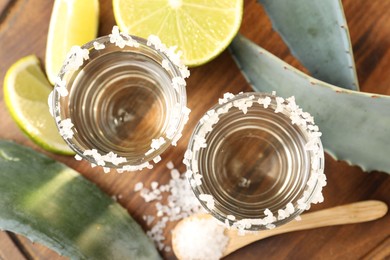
(201, 237)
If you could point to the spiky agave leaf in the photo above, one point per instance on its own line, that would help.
(317, 34)
(54, 205)
(355, 125)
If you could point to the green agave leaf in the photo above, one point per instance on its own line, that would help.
(317, 34)
(54, 205)
(355, 125)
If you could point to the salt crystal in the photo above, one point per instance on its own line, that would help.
(100, 162)
(188, 154)
(185, 73)
(177, 137)
(75, 58)
(165, 64)
(290, 208)
(188, 174)
(129, 41)
(65, 128)
(267, 102)
(154, 40)
(150, 151)
(228, 95)
(98, 46)
(201, 141)
(116, 38)
(302, 205)
(279, 104)
(270, 226)
(156, 143)
(113, 158)
(138, 186)
(282, 214)
(178, 82)
(157, 159)
(186, 162)
(264, 101)
(175, 174)
(60, 87)
(193, 183)
(170, 165)
(314, 128)
(154, 185)
(231, 217)
(318, 198)
(208, 199)
(267, 212)
(78, 157)
(198, 179)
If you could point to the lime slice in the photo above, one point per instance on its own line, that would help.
(72, 22)
(26, 91)
(200, 29)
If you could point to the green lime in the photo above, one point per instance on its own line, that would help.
(71, 23)
(26, 91)
(200, 29)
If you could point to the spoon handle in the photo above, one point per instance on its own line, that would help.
(345, 214)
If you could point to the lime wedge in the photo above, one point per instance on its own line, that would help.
(200, 29)
(72, 22)
(26, 91)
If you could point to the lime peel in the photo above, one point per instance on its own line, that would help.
(72, 23)
(26, 92)
(201, 31)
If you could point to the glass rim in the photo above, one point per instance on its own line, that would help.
(312, 191)
(172, 69)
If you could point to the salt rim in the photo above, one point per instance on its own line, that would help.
(121, 39)
(303, 119)
(75, 59)
(65, 128)
(99, 46)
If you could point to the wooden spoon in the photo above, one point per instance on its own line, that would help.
(346, 214)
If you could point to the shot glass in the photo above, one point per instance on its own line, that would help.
(255, 161)
(120, 101)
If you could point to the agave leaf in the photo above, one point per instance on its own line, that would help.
(355, 125)
(54, 205)
(317, 34)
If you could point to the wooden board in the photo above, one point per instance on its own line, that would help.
(23, 31)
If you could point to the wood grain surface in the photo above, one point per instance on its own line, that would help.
(23, 31)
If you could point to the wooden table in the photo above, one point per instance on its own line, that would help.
(23, 31)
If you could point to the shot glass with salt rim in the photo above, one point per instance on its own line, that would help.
(120, 101)
(255, 161)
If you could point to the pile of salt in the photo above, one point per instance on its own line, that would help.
(200, 238)
(180, 203)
